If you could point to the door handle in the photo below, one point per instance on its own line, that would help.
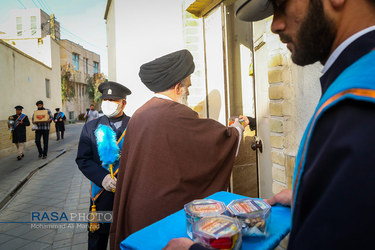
(257, 144)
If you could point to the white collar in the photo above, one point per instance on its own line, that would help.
(162, 96)
(332, 58)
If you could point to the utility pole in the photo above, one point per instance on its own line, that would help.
(52, 26)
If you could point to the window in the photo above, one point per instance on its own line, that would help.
(19, 26)
(33, 25)
(96, 67)
(71, 115)
(48, 89)
(83, 91)
(86, 65)
(75, 61)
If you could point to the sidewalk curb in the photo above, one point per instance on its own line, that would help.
(13, 191)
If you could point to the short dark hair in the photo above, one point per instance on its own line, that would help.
(39, 102)
(92, 105)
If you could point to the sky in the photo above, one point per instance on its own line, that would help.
(81, 21)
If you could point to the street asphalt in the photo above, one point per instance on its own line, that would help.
(55, 185)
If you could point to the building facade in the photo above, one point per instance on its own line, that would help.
(30, 67)
(26, 80)
(26, 29)
(78, 67)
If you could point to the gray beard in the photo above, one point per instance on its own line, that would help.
(183, 99)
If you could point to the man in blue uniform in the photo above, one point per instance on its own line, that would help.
(333, 196)
(59, 118)
(17, 125)
(90, 159)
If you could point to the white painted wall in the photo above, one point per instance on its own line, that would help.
(23, 81)
(308, 92)
(144, 31)
(111, 42)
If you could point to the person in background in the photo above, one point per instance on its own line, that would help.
(89, 156)
(17, 124)
(42, 130)
(170, 156)
(59, 119)
(252, 123)
(91, 114)
(334, 171)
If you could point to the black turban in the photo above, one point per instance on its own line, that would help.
(166, 71)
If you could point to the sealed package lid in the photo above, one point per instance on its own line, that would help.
(248, 206)
(202, 208)
(253, 214)
(253, 10)
(219, 232)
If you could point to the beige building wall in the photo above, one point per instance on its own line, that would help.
(78, 105)
(24, 83)
(293, 94)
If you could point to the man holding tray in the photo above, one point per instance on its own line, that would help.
(333, 199)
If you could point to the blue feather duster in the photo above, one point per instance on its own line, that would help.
(108, 150)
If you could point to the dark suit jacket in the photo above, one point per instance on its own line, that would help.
(89, 163)
(19, 133)
(335, 204)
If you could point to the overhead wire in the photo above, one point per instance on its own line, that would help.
(36, 5)
(21, 4)
(79, 58)
(43, 5)
(50, 10)
(62, 27)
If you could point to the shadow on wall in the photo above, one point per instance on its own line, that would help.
(213, 110)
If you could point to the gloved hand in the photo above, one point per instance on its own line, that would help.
(237, 124)
(108, 183)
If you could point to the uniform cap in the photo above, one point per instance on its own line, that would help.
(113, 90)
(253, 10)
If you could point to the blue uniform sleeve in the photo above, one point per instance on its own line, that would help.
(85, 158)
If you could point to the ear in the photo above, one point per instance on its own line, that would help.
(178, 88)
(124, 102)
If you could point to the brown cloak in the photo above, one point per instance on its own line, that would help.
(170, 157)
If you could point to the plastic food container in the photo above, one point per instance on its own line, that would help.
(253, 214)
(198, 209)
(218, 232)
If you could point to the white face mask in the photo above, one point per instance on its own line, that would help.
(110, 109)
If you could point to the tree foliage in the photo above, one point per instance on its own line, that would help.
(67, 82)
(92, 86)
